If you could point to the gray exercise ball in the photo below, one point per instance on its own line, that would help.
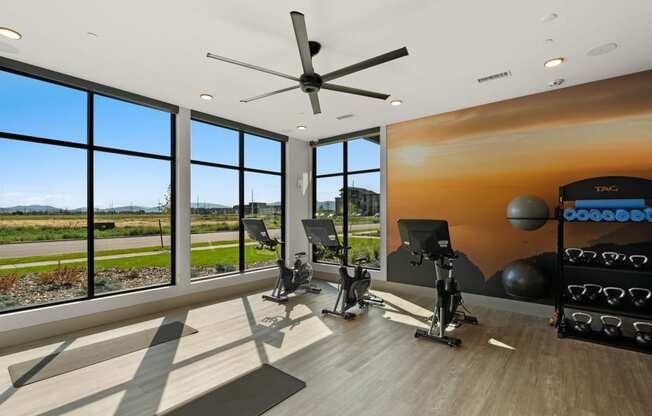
(527, 212)
(523, 280)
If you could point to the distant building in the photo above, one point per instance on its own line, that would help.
(363, 202)
(261, 208)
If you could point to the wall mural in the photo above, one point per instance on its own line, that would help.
(466, 166)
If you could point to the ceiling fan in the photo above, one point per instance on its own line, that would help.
(311, 82)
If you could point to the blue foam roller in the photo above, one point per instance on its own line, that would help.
(648, 214)
(622, 215)
(637, 215)
(582, 215)
(610, 203)
(608, 215)
(570, 214)
(595, 215)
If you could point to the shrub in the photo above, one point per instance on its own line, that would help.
(104, 284)
(7, 301)
(7, 282)
(61, 276)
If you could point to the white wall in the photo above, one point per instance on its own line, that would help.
(297, 205)
(184, 286)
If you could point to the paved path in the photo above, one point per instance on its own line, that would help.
(47, 248)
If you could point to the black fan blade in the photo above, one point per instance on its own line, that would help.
(300, 31)
(355, 91)
(246, 65)
(246, 100)
(380, 59)
(314, 101)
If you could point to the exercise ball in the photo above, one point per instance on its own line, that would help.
(523, 280)
(527, 212)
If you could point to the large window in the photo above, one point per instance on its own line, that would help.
(347, 190)
(234, 175)
(86, 194)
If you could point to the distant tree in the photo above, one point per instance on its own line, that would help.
(166, 205)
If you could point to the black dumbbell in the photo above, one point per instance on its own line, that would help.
(574, 254)
(582, 323)
(612, 330)
(593, 291)
(576, 292)
(614, 295)
(643, 337)
(638, 260)
(640, 296)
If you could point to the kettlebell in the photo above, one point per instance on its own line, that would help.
(582, 327)
(614, 295)
(593, 291)
(643, 337)
(612, 330)
(573, 254)
(577, 292)
(610, 258)
(640, 296)
(588, 256)
(638, 260)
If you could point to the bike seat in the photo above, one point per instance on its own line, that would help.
(362, 259)
(300, 254)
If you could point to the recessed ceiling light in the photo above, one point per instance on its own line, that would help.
(602, 49)
(396, 103)
(301, 127)
(206, 97)
(556, 82)
(549, 18)
(10, 33)
(551, 63)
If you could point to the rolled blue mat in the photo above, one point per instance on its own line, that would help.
(610, 203)
(582, 215)
(595, 215)
(608, 215)
(622, 215)
(637, 215)
(570, 214)
(648, 214)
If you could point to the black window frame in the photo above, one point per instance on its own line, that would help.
(243, 130)
(344, 174)
(91, 89)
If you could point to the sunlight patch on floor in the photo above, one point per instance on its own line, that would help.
(403, 311)
(500, 344)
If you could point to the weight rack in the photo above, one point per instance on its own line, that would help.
(608, 187)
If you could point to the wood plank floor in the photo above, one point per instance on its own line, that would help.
(370, 366)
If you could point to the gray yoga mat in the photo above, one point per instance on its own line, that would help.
(69, 360)
(249, 395)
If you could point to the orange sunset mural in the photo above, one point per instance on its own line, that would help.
(465, 167)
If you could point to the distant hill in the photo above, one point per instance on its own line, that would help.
(208, 205)
(30, 208)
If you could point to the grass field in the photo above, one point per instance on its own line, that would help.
(27, 227)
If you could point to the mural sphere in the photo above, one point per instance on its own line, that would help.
(522, 280)
(527, 212)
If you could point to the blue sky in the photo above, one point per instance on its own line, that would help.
(37, 174)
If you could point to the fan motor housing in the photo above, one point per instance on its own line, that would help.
(310, 83)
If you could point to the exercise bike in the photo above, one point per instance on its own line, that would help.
(289, 280)
(352, 289)
(430, 240)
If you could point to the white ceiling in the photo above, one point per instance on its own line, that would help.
(157, 48)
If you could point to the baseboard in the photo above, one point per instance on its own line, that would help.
(502, 304)
(60, 328)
